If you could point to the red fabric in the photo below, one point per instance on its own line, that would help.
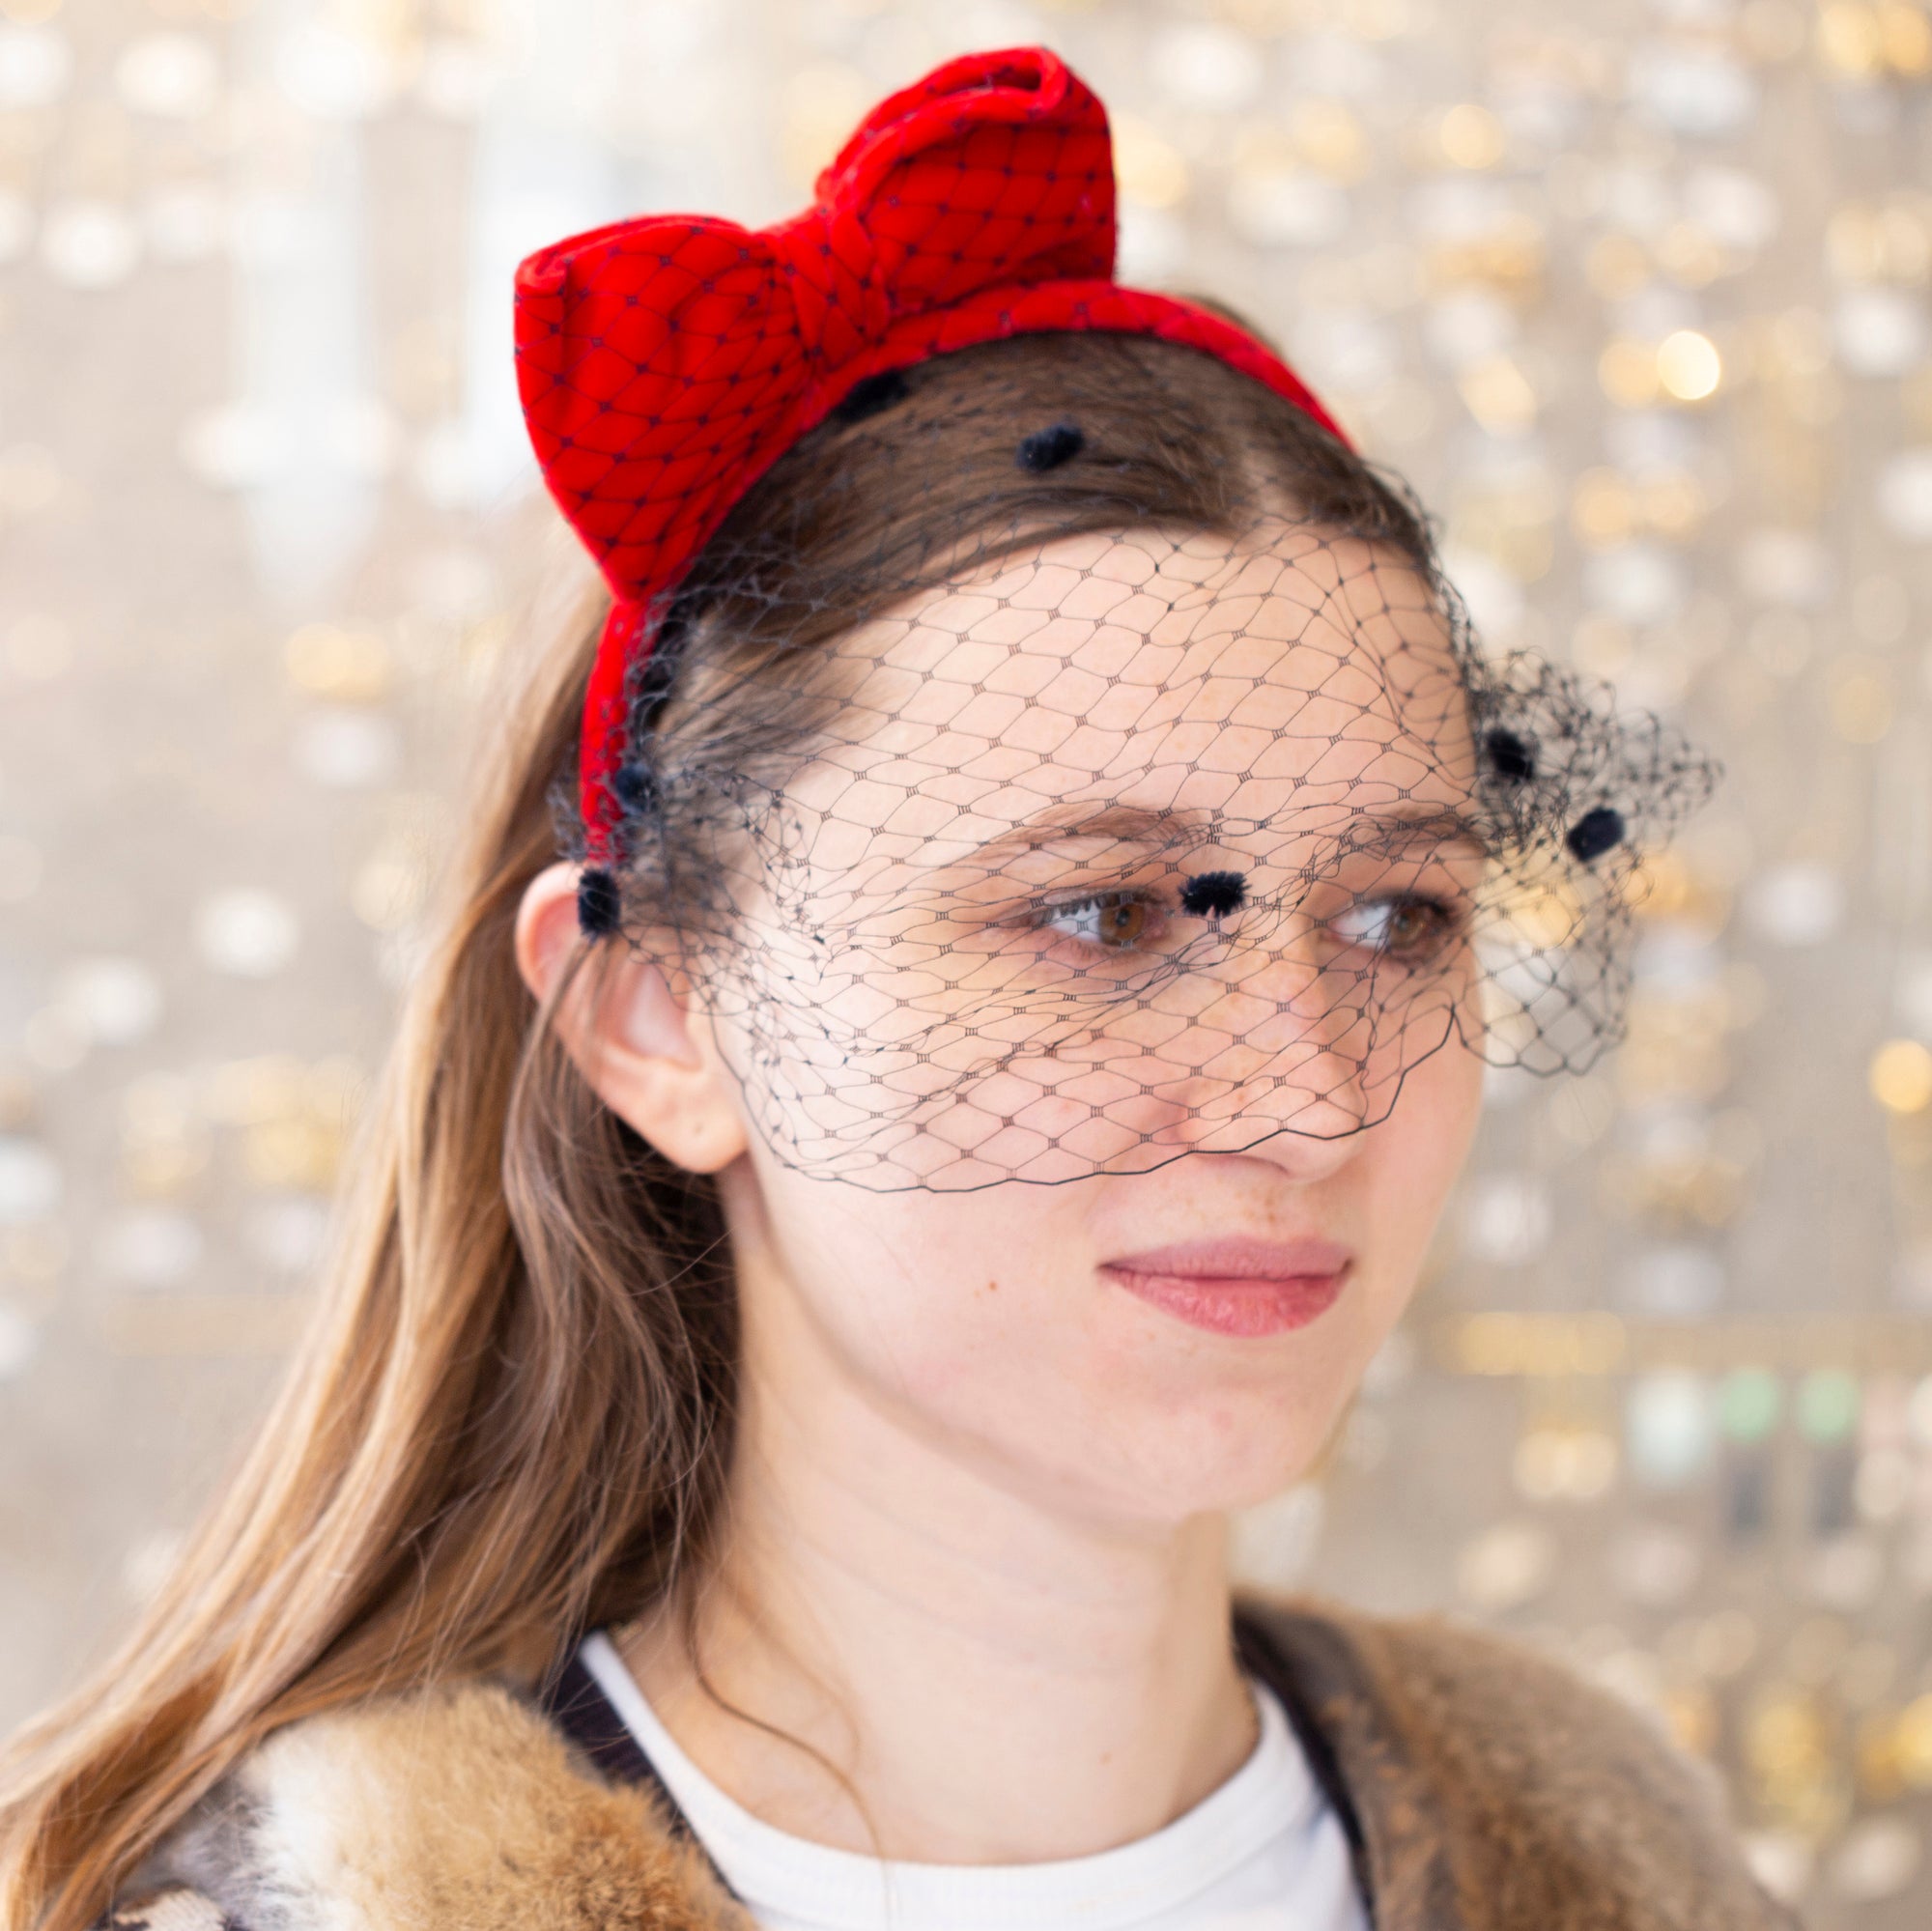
(667, 362)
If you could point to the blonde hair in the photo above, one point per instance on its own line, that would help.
(512, 1420)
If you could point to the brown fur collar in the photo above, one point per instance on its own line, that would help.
(1493, 1791)
(1489, 1791)
(459, 1809)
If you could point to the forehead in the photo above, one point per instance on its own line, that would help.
(1149, 668)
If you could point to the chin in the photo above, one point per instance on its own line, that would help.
(1211, 1456)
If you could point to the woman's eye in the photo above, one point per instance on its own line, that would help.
(1112, 919)
(1400, 927)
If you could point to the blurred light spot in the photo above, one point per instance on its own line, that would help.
(348, 666)
(1739, 210)
(1784, 566)
(233, 446)
(1655, 1565)
(347, 749)
(1469, 326)
(1507, 1565)
(1561, 1464)
(1862, 706)
(1151, 244)
(1471, 136)
(248, 934)
(1687, 365)
(90, 244)
(1879, 331)
(1150, 168)
(1750, 1401)
(1495, 599)
(30, 1181)
(117, 1000)
(1641, 582)
(1901, 1076)
(1827, 1403)
(1702, 92)
(334, 75)
(1207, 66)
(1669, 1428)
(1781, 1861)
(1913, 1735)
(289, 1235)
(151, 1248)
(388, 891)
(1287, 209)
(1918, 1413)
(1507, 1219)
(1905, 495)
(1675, 1282)
(36, 64)
(1883, 1485)
(148, 1563)
(1329, 137)
(171, 75)
(1877, 1858)
(1499, 396)
(1796, 904)
(362, 438)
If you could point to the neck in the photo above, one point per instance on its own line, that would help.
(962, 1672)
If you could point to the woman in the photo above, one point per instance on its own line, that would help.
(1047, 866)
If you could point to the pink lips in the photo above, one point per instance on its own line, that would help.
(1237, 1286)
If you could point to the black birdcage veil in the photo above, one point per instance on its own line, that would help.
(1035, 855)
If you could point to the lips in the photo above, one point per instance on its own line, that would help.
(1235, 1286)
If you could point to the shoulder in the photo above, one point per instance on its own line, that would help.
(460, 1804)
(1480, 1767)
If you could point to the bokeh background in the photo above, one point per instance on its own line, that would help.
(1635, 293)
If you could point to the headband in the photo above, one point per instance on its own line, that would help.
(667, 362)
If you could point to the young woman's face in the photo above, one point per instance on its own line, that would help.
(1099, 1013)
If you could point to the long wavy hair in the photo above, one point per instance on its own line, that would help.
(512, 1418)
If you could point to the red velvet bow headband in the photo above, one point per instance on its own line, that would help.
(667, 362)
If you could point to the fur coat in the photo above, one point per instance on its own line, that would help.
(1482, 1788)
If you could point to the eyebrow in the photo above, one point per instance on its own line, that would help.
(1137, 825)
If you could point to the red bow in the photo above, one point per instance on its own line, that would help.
(667, 362)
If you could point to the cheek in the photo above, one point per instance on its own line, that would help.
(929, 1296)
(975, 1322)
(1410, 1161)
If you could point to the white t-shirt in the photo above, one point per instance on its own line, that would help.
(1264, 1853)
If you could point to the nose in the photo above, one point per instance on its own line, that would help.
(1263, 1047)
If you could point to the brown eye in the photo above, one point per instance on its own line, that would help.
(1414, 928)
(1113, 919)
(1400, 929)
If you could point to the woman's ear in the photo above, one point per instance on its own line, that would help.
(643, 1053)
